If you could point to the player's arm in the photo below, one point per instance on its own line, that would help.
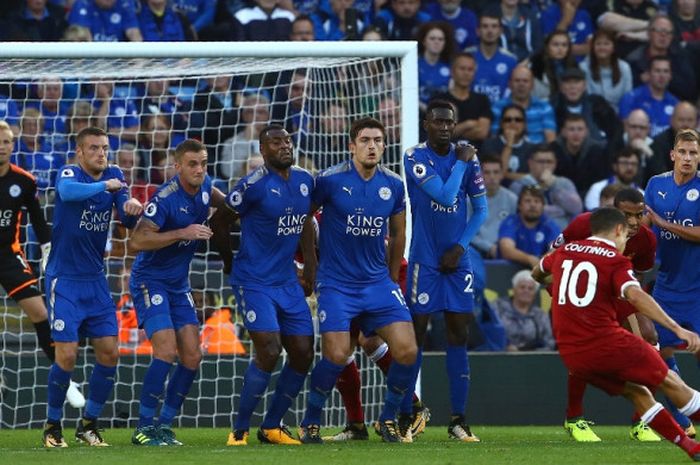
(397, 243)
(480, 210)
(147, 235)
(689, 233)
(220, 224)
(218, 199)
(541, 272)
(72, 190)
(128, 209)
(308, 250)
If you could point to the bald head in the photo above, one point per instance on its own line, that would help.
(521, 82)
(684, 116)
(637, 125)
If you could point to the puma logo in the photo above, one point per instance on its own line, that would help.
(662, 194)
(348, 190)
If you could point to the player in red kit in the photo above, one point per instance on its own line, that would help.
(588, 278)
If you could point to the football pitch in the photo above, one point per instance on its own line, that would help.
(521, 445)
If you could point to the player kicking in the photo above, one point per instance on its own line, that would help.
(167, 237)
(641, 250)
(441, 178)
(360, 201)
(588, 277)
(272, 203)
(17, 193)
(78, 296)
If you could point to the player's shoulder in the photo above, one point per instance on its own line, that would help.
(301, 173)
(416, 150)
(113, 171)
(167, 190)
(21, 173)
(256, 178)
(336, 170)
(390, 174)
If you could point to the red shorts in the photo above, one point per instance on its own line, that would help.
(617, 360)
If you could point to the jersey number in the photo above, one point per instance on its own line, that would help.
(569, 282)
(469, 279)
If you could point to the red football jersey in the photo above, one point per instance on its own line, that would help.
(588, 277)
(640, 248)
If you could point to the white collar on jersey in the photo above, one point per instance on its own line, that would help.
(602, 239)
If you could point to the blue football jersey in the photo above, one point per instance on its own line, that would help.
(272, 212)
(172, 208)
(679, 274)
(80, 228)
(492, 74)
(354, 224)
(436, 228)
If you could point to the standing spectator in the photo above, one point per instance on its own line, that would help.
(625, 169)
(511, 143)
(199, 13)
(522, 32)
(37, 21)
(339, 22)
(117, 115)
(401, 20)
(527, 325)
(566, 16)
(462, 19)
(266, 20)
(302, 29)
(548, 64)
(606, 74)
(685, 116)
(686, 21)
(106, 20)
(629, 21)
(160, 22)
(435, 49)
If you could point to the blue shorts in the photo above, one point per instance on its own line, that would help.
(429, 291)
(374, 306)
(685, 314)
(158, 309)
(275, 310)
(80, 309)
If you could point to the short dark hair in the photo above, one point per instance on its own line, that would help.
(541, 148)
(490, 158)
(188, 145)
(89, 131)
(269, 128)
(573, 117)
(605, 219)
(686, 135)
(533, 190)
(627, 152)
(628, 194)
(653, 60)
(439, 103)
(364, 123)
(611, 190)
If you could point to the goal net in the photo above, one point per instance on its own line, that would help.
(150, 97)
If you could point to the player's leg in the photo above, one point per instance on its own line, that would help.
(575, 424)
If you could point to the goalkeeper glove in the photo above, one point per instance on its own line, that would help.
(45, 252)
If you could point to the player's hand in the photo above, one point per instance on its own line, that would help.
(196, 232)
(450, 259)
(308, 279)
(113, 185)
(133, 207)
(465, 151)
(653, 216)
(692, 339)
(45, 251)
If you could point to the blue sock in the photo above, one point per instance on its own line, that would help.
(398, 381)
(323, 378)
(153, 384)
(101, 384)
(59, 380)
(254, 385)
(407, 402)
(681, 419)
(458, 375)
(288, 386)
(178, 387)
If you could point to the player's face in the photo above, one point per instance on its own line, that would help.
(192, 168)
(439, 124)
(6, 139)
(92, 154)
(633, 213)
(685, 156)
(277, 149)
(621, 237)
(368, 147)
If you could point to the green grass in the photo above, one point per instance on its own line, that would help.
(523, 445)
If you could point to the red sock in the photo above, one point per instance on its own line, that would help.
(349, 385)
(576, 387)
(384, 363)
(664, 424)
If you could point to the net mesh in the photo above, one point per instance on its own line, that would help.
(148, 106)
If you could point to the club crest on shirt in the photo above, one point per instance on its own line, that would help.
(15, 190)
(692, 195)
(304, 189)
(384, 193)
(539, 236)
(419, 170)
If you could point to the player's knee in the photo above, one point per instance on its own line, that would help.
(405, 354)
(267, 354)
(66, 359)
(335, 355)
(108, 356)
(301, 360)
(165, 352)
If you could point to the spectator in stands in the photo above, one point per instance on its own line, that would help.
(34, 153)
(685, 116)
(263, 21)
(9, 112)
(473, 108)
(625, 171)
(328, 143)
(539, 115)
(118, 116)
(520, 25)
(199, 13)
(607, 195)
(601, 120)
(606, 74)
(154, 143)
(566, 16)
(339, 22)
(389, 113)
(653, 97)
(578, 157)
(548, 64)
(494, 64)
(401, 20)
(159, 100)
(302, 29)
(159, 21)
(372, 33)
(462, 19)
(106, 20)
(80, 116)
(511, 143)
(36, 21)
(75, 33)
(501, 201)
(290, 102)
(635, 136)
(525, 236)
(527, 325)
(435, 50)
(562, 202)
(129, 161)
(629, 21)
(255, 115)
(686, 21)
(683, 82)
(53, 110)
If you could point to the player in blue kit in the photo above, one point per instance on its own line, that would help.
(441, 178)
(77, 294)
(272, 204)
(361, 201)
(167, 237)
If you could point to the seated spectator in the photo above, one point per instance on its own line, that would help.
(462, 19)
(339, 22)
(161, 22)
(106, 20)
(562, 203)
(372, 33)
(328, 143)
(389, 113)
(263, 21)
(653, 97)
(255, 115)
(566, 16)
(548, 64)
(686, 21)
(290, 102)
(302, 29)
(521, 30)
(435, 50)
(129, 162)
(511, 143)
(607, 195)
(54, 110)
(34, 153)
(76, 34)
(525, 236)
(625, 170)
(685, 116)
(9, 112)
(578, 157)
(501, 202)
(36, 21)
(159, 100)
(154, 142)
(118, 116)
(606, 74)
(527, 325)
(494, 64)
(401, 20)
(539, 115)
(635, 136)
(199, 13)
